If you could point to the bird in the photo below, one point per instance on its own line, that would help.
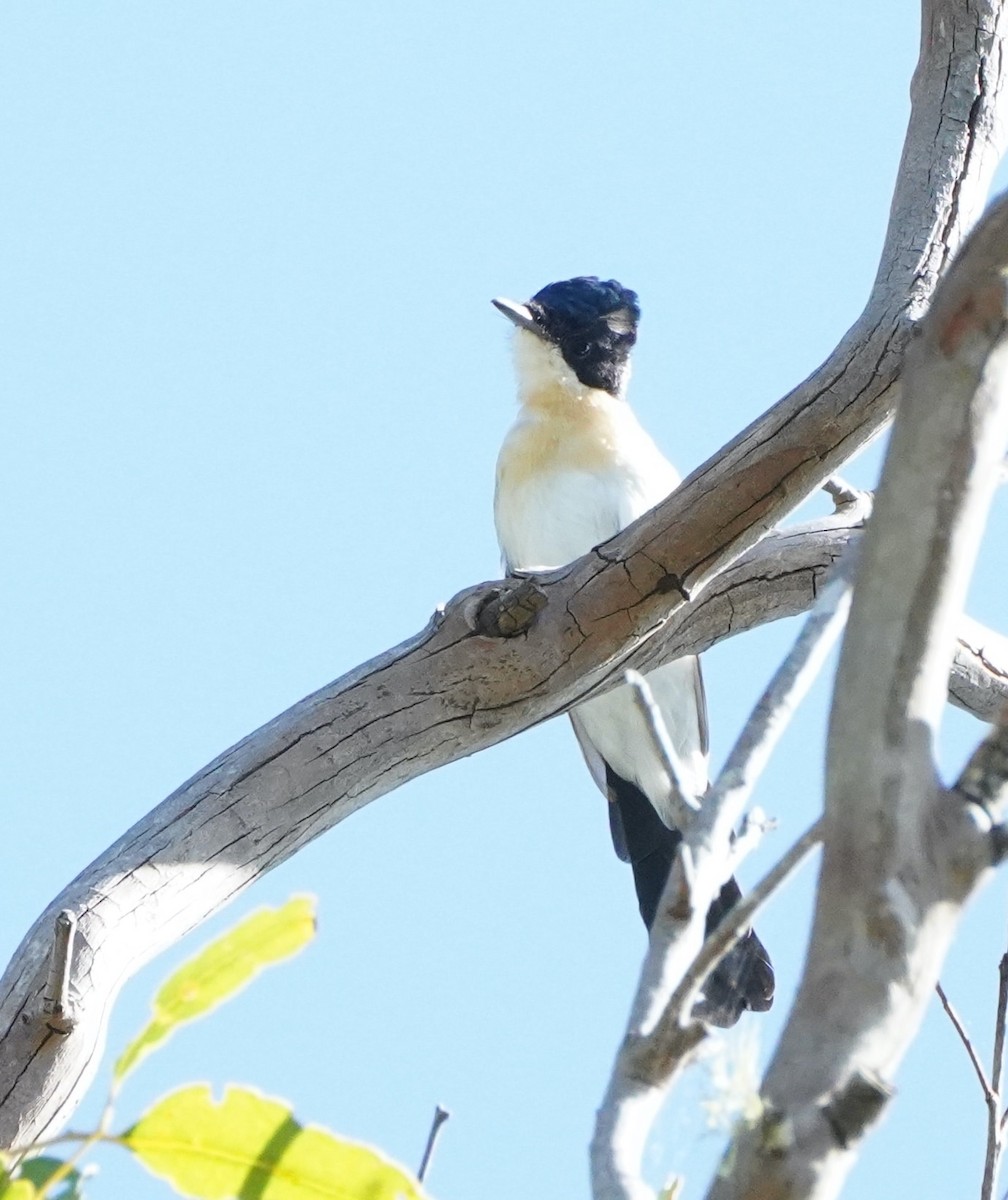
(574, 469)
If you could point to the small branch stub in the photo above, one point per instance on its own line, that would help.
(858, 1104)
(849, 502)
(56, 1000)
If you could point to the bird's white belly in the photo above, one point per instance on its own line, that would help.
(549, 520)
(554, 518)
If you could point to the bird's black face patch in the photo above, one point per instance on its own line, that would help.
(593, 323)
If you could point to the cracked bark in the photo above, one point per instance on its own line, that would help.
(336, 750)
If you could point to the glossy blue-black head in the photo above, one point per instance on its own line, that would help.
(591, 321)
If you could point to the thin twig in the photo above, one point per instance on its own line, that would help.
(659, 1040)
(709, 834)
(752, 750)
(966, 1040)
(682, 801)
(68, 1135)
(997, 1062)
(440, 1116)
(726, 934)
(995, 1123)
(645, 1064)
(984, 781)
(754, 825)
(991, 1087)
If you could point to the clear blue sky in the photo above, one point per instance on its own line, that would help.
(253, 391)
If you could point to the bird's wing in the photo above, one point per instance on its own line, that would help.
(616, 740)
(634, 838)
(600, 772)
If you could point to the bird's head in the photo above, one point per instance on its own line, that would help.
(582, 332)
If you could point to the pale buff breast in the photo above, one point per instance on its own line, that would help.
(573, 471)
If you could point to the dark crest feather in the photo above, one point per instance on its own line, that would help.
(593, 322)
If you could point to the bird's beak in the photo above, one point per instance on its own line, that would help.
(519, 314)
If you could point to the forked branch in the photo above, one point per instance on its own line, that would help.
(464, 683)
(900, 853)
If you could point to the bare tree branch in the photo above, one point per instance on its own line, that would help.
(465, 683)
(631, 1105)
(984, 782)
(991, 1088)
(979, 679)
(901, 854)
(782, 577)
(731, 927)
(995, 1123)
(661, 1035)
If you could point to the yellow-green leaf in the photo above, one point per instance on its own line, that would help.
(249, 1145)
(220, 970)
(17, 1189)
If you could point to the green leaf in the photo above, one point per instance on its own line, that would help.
(250, 1146)
(39, 1170)
(221, 969)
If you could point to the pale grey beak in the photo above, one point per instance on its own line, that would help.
(519, 314)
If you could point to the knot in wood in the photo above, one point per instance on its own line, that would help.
(511, 612)
(858, 1104)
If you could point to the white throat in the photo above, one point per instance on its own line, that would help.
(542, 370)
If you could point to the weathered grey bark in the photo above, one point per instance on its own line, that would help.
(783, 575)
(661, 1035)
(901, 854)
(462, 685)
(981, 657)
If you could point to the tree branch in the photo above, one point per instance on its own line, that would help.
(464, 683)
(995, 1123)
(661, 1034)
(979, 679)
(901, 854)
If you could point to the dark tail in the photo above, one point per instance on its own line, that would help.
(744, 978)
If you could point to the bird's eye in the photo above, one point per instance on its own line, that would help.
(582, 349)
